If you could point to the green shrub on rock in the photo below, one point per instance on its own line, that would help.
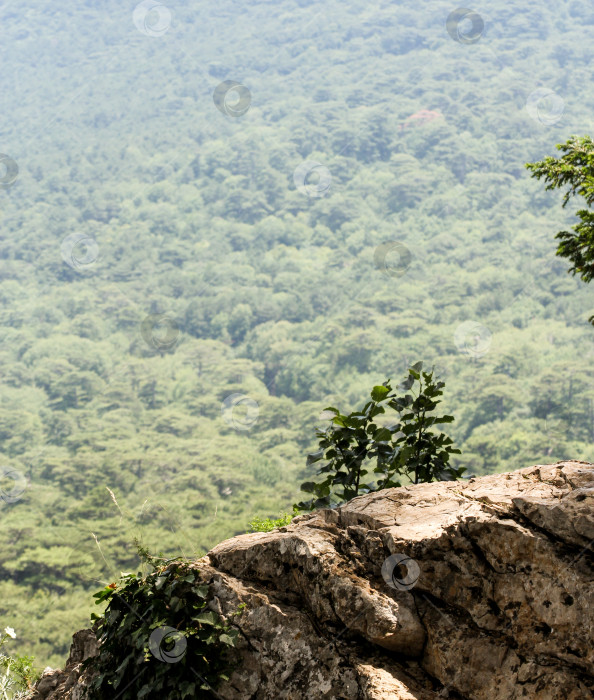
(158, 638)
(406, 448)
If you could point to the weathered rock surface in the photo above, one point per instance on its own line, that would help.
(503, 606)
(55, 684)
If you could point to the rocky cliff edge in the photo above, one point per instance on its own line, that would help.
(479, 589)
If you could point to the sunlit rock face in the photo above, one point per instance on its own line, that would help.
(479, 589)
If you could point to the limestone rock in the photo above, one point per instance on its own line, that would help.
(493, 598)
(69, 683)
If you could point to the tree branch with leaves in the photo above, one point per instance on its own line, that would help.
(574, 170)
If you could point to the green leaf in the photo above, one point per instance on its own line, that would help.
(407, 383)
(323, 490)
(188, 690)
(379, 393)
(383, 435)
(444, 419)
(201, 591)
(206, 618)
(314, 457)
(160, 582)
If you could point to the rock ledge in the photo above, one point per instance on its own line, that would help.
(494, 599)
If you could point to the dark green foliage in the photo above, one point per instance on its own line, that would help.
(421, 454)
(408, 448)
(137, 659)
(574, 170)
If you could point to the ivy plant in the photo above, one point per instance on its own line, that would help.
(355, 443)
(158, 638)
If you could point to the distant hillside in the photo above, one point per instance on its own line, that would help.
(189, 275)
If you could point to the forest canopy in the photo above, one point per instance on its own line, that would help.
(219, 219)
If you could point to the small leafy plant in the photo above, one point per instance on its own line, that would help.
(267, 524)
(407, 448)
(17, 674)
(158, 638)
